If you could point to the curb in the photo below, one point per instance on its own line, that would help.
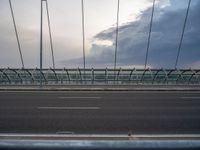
(99, 89)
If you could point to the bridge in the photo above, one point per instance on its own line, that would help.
(36, 104)
(82, 75)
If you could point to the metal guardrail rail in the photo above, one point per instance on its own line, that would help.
(10, 76)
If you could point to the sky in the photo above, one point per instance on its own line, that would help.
(100, 27)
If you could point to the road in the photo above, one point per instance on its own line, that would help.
(103, 112)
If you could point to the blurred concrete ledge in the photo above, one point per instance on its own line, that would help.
(100, 88)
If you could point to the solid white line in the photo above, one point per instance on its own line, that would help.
(190, 97)
(64, 132)
(102, 92)
(80, 97)
(69, 108)
(103, 135)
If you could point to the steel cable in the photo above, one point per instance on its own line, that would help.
(83, 34)
(149, 37)
(51, 41)
(16, 33)
(182, 35)
(117, 35)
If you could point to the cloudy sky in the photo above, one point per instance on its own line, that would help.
(100, 22)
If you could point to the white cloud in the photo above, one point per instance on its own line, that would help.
(100, 15)
(195, 65)
(165, 39)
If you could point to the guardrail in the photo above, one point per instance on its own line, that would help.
(9, 76)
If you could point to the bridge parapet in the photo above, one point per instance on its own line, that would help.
(99, 76)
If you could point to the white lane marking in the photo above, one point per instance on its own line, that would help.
(101, 92)
(190, 97)
(101, 135)
(69, 108)
(80, 97)
(64, 132)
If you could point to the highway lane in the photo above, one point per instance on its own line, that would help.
(105, 112)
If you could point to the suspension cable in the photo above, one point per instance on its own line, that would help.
(16, 33)
(117, 35)
(41, 41)
(149, 37)
(51, 41)
(182, 35)
(83, 34)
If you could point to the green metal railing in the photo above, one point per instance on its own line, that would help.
(64, 76)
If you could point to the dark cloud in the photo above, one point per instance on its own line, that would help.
(166, 32)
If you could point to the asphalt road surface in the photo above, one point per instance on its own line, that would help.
(93, 112)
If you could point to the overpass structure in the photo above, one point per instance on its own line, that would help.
(83, 75)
